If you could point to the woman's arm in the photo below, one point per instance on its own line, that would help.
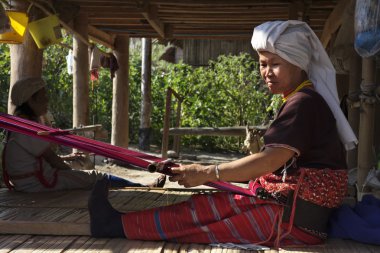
(244, 169)
(54, 160)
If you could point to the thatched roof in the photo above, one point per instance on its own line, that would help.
(204, 19)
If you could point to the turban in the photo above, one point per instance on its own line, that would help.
(23, 89)
(295, 42)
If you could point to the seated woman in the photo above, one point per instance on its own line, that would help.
(30, 164)
(301, 171)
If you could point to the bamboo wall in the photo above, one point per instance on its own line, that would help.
(199, 52)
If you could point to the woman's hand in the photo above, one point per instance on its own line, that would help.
(243, 169)
(54, 160)
(193, 175)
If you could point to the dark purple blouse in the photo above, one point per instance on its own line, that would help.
(306, 125)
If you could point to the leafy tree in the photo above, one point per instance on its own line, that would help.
(228, 92)
(5, 69)
(59, 82)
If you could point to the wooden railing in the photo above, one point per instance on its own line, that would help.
(165, 132)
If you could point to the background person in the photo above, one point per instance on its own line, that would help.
(30, 163)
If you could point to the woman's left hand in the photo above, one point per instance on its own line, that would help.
(192, 175)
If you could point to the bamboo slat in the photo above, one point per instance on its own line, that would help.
(43, 228)
(79, 244)
(7, 243)
(33, 225)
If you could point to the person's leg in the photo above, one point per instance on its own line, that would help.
(105, 220)
(85, 179)
(206, 218)
(76, 179)
(213, 218)
(116, 181)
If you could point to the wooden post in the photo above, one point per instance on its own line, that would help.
(26, 58)
(120, 94)
(177, 138)
(354, 105)
(165, 132)
(366, 127)
(81, 72)
(26, 61)
(146, 95)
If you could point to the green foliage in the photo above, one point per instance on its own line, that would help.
(228, 92)
(5, 69)
(60, 85)
(59, 82)
(101, 100)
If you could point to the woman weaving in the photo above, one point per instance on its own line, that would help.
(31, 165)
(301, 169)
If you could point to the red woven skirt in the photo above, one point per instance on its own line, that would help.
(216, 218)
(229, 218)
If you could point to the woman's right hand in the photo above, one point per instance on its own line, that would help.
(193, 174)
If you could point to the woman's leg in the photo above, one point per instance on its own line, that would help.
(105, 220)
(220, 217)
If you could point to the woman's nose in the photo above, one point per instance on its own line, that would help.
(269, 71)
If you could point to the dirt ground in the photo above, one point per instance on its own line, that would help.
(145, 177)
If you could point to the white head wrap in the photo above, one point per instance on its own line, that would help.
(23, 89)
(295, 42)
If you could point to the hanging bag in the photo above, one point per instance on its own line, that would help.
(367, 27)
(18, 23)
(46, 31)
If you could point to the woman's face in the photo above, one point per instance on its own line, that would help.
(279, 75)
(39, 102)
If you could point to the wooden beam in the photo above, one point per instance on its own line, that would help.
(101, 37)
(221, 10)
(334, 21)
(295, 9)
(187, 2)
(213, 131)
(213, 3)
(150, 13)
(94, 34)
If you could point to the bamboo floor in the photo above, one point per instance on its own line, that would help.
(59, 222)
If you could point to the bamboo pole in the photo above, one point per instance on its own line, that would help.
(165, 132)
(366, 127)
(354, 105)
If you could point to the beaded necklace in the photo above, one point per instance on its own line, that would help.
(302, 85)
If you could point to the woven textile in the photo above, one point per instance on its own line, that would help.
(216, 218)
(324, 187)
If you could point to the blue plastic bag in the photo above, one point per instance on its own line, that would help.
(367, 27)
